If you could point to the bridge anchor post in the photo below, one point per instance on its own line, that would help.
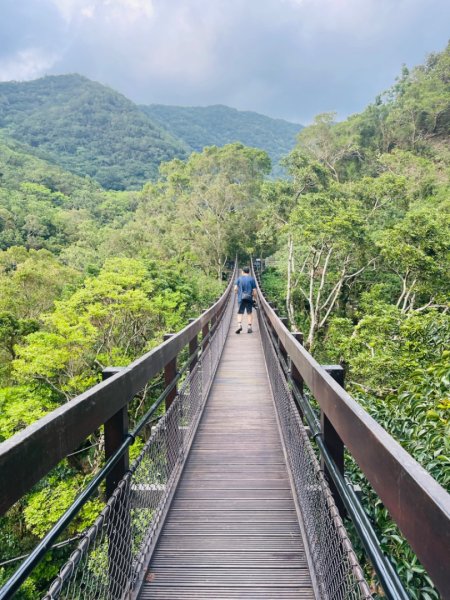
(172, 431)
(295, 373)
(193, 348)
(119, 529)
(332, 440)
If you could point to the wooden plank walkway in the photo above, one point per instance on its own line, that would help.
(232, 530)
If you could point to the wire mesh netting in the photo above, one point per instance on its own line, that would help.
(109, 561)
(336, 568)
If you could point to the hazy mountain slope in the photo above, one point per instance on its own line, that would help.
(219, 125)
(89, 129)
(19, 164)
(86, 128)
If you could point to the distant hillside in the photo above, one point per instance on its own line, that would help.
(219, 125)
(92, 130)
(18, 164)
(86, 128)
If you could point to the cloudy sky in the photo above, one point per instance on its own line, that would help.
(284, 58)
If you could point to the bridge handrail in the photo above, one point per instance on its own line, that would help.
(416, 502)
(30, 454)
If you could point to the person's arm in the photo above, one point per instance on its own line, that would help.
(236, 285)
(254, 293)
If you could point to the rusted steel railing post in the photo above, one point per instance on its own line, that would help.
(331, 438)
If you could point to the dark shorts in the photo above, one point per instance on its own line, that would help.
(245, 305)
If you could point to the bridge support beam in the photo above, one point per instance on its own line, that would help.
(170, 372)
(116, 428)
(295, 373)
(193, 348)
(205, 339)
(332, 440)
(283, 351)
(119, 528)
(172, 431)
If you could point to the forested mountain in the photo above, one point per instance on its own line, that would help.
(89, 129)
(219, 125)
(86, 128)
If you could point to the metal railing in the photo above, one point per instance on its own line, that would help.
(110, 560)
(336, 568)
(416, 502)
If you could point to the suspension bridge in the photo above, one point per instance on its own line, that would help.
(239, 490)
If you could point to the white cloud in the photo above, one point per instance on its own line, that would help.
(26, 64)
(136, 7)
(69, 8)
(88, 12)
(121, 10)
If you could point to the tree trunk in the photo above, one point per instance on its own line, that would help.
(289, 290)
(312, 309)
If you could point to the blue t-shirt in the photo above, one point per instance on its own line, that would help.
(246, 284)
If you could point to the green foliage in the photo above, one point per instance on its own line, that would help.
(113, 318)
(31, 280)
(220, 125)
(86, 128)
(93, 131)
(57, 496)
(21, 405)
(201, 208)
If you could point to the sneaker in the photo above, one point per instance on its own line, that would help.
(249, 330)
(239, 330)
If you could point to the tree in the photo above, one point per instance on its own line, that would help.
(207, 202)
(416, 250)
(31, 281)
(328, 143)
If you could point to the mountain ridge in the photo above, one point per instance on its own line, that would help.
(86, 128)
(92, 130)
(198, 126)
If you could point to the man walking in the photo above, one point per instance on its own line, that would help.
(245, 287)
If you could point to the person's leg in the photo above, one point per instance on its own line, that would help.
(239, 317)
(249, 317)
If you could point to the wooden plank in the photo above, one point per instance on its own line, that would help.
(212, 493)
(232, 530)
(257, 516)
(244, 576)
(238, 484)
(213, 593)
(231, 559)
